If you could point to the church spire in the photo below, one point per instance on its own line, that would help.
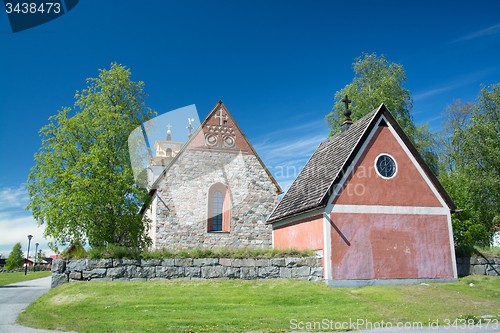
(347, 113)
(169, 138)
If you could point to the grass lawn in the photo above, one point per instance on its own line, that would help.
(8, 278)
(257, 305)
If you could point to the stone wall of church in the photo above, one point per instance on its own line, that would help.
(308, 268)
(185, 189)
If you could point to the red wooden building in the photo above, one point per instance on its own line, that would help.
(368, 202)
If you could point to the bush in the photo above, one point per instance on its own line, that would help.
(16, 258)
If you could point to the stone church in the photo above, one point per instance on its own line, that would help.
(213, 191)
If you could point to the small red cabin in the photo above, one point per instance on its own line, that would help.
(368, 202)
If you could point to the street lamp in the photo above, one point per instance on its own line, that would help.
(36, 252)
(28, 254)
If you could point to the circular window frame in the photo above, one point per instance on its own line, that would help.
(393, 159)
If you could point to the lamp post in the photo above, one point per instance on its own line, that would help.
(36, 252)
(28, 254)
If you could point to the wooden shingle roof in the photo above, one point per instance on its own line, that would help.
(316, 182)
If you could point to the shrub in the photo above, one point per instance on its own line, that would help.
(16, 257)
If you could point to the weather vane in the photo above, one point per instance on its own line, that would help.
(348, 121)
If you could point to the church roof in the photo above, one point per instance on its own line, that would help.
(316, 182)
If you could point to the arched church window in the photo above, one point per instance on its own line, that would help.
(219, 208)
(169, 152)
(217, 225)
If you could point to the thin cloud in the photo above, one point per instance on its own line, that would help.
(16, 224)
(433, 119)
(291, 148)
(493, 30)
(319, 124)
(297, 137)
(17, 229)
(437, 91)
(459, 82)
(13, 197)
(285, 158)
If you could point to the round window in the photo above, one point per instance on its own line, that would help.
(386, 166)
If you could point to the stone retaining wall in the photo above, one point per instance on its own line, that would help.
(207, 268)
(479, 266)
(30, 269)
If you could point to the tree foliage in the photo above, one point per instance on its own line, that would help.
(471, 164)
(16, 258)
(82, 186)
(377, 81)
(40, 257)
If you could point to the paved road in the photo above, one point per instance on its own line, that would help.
(16, 297)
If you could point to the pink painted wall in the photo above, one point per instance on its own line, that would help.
(366, 187)
(390, 246)
(304, 234)
(380, 246)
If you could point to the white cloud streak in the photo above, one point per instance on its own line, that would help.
(286, 151)
(13, 198)
(17, 229)
(457, 83)
(493, 30)
(16, 223)
(299, 146)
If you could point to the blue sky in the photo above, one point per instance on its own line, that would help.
(275, 64)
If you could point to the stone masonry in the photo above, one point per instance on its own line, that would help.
(207, 268)
(478, 266)
(185, 189)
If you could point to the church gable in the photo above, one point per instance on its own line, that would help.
(220, 132)
(372, 184)
(334, 159)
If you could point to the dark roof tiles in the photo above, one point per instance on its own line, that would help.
(322, 169)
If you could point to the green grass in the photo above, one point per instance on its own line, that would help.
(489, 251)
(8, 278)
(120, 252)
(257, 305)
(478, 251)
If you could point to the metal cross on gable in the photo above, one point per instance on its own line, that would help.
(169, 126)
(190, 127)
(220, 116)
(346, 101)
(347, 112)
